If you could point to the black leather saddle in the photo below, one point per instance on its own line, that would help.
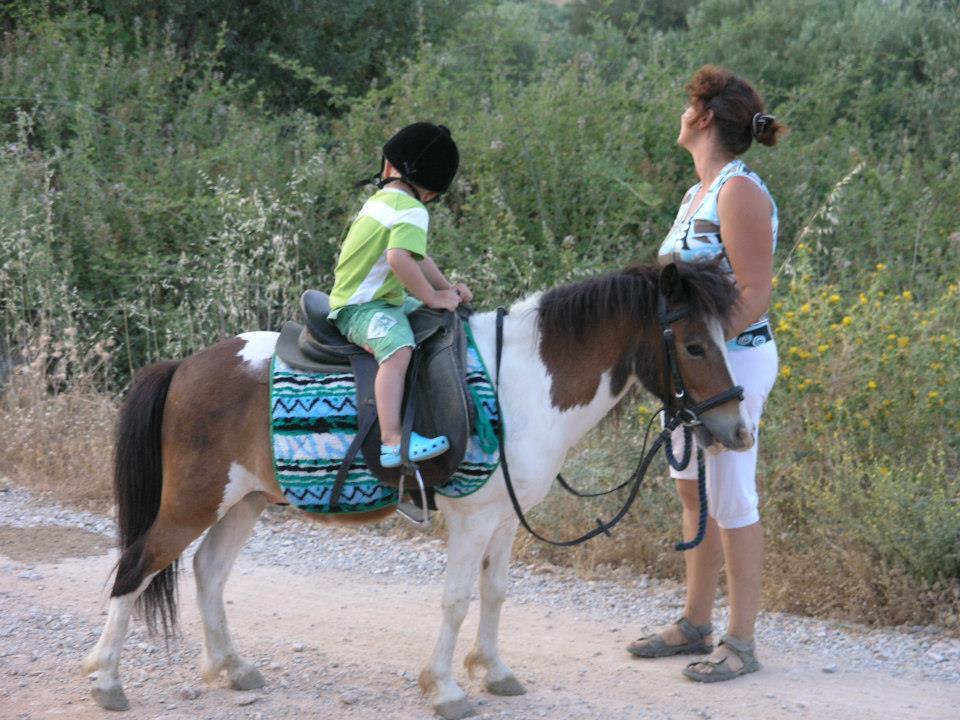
(437, 400)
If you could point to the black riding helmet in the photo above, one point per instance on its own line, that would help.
(424, 154)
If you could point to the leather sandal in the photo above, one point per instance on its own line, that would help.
(421, 448)
(720, 670)
(654, 646)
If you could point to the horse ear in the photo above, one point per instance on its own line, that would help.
(671, 285)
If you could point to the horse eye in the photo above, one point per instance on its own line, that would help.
(696, 350)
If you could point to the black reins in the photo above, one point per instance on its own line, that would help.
(686, 414)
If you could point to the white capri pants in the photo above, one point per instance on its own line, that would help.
(732, 476)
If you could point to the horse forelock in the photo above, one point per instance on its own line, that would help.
(708, 290)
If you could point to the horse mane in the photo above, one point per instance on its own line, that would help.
(571, 311)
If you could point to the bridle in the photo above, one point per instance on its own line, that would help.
(687, 414)
(683, 406)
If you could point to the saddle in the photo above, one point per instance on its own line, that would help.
(436, 401)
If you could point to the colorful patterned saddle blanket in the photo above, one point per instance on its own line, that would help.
(314, 420)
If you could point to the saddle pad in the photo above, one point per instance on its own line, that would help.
(313, 420)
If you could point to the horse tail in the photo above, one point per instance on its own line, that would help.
(137, 486)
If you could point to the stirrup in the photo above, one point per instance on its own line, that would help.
(410, 511)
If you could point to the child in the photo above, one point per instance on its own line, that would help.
(384, 254)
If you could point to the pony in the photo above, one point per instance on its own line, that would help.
(193, 455)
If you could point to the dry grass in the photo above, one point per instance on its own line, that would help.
(59, 445)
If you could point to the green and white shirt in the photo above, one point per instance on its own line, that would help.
(389, 219)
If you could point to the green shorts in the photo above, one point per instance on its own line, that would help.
(378, 327)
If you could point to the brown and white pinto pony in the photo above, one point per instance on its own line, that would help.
(194, 454)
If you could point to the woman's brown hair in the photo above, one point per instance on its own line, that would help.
(737, 109)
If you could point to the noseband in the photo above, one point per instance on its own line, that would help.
(688, 413)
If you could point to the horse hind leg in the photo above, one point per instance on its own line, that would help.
(211, 565)
(499, 679)
(139, 567)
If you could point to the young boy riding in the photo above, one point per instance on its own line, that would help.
(384, 257)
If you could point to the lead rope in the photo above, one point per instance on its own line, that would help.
(701, 482)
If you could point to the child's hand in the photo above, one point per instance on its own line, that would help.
(463, 291)
(444, 300)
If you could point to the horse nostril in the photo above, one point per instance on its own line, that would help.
(746, 438)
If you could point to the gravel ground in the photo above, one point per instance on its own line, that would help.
(37, 639)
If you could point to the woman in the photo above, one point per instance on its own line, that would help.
(722, 118)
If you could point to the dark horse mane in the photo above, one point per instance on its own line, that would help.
(571, 311)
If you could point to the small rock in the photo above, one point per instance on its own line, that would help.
(188, 693)
(243, 700)
(298, 647)
(348, 698)
(276, 666)
(829, 669)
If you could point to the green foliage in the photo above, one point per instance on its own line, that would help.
(283, 46)
(162, 186)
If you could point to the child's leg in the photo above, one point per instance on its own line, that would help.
(389, 393)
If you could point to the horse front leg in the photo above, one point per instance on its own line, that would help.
(467, 538)
(499, 679)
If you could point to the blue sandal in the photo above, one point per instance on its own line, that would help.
(421, 448)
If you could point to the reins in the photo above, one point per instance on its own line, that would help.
(686, 414)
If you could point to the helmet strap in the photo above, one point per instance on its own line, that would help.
(383, 182)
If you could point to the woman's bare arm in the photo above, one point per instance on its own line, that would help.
(745, 211)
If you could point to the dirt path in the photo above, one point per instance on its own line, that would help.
(348, 644)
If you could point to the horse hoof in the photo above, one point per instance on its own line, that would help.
(506, 687)
(112, 699)
(455, 709)
(249, 680)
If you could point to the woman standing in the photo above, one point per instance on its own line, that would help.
(728, 215)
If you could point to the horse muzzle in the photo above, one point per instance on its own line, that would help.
(726, 429)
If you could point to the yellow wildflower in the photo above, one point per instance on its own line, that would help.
(863, 299)
(847, 321)
(907, 295)
(903, 341)
(883, 470)
(823, 348)
(785, 371)
(933, 394)
(881, 267)
(871, 384)
(834, 299)
(805, 308)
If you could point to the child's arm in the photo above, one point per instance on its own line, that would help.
(440, 282)
(433, 274)
(415, 279)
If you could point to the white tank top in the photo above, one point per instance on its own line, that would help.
(698, 236)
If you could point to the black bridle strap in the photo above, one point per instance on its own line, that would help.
(688, 412)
